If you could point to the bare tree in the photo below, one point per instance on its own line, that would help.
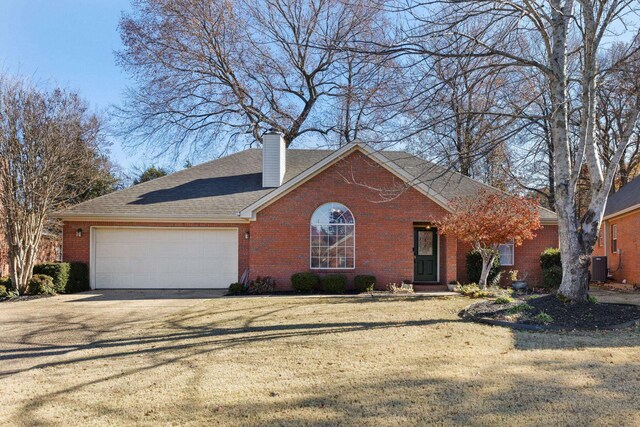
(562, 29)
(531, 165)
(368, 85)
(468, 111)
(49, 144)
(213, 71)
(617, 93)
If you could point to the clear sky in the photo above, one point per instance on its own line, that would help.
(70, 43)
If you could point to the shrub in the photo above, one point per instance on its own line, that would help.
(402, 288)
(592, 299)
(474, 268)
(58, 271)
(334, 283)
(236, 289)
(78, 278)
(364, 283)
(520, 308)
(504, 299)
(543, 317)
(3, 291)
(305, 282)
(472, 290)
(6, 282)
(41, 284)
(262, 285)
(550, 258)
(551, 277)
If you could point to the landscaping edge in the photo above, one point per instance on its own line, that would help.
(542, 328)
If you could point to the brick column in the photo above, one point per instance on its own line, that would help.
(451, 259)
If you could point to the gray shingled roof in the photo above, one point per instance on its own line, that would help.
(444, 182)
(626, 197)
(221, 188)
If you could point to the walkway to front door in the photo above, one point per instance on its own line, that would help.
(425, 254)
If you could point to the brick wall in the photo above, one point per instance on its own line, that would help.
(77, 248)
(384, 229)
(599, 248)
(627, 265)
(526, 257)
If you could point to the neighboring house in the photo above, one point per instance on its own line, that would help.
(619, 238)
(351, 211)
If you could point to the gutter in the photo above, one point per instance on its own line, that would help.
(180, 219)
(622, 212)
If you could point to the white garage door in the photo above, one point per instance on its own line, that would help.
(164, 258)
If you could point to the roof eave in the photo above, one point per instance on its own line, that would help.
(68, 217)
(622, 211)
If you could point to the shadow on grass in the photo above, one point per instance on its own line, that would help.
(203, 294)
(513, 395)
(145, 294)
(525, 392)
(576, 340)
(439, 388)
(200, 337)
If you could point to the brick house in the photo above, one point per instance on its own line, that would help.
(278, 211)
(619, 238)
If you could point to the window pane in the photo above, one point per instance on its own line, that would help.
(347, 217)
(506, 254)
(425, 242)
(349, 252)
(332, 243)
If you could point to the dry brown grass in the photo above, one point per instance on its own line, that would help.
(317, 361)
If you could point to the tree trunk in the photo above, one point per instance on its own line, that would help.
(487, 262)
(575, 265)
(24, 237)
(575, 271)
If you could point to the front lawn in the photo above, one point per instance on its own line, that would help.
(320, 361)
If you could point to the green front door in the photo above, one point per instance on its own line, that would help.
(425, 255)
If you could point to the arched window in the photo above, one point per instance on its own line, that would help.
(333, 237)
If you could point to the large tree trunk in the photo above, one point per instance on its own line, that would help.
(575, 268)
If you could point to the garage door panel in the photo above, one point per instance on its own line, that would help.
(165, 258)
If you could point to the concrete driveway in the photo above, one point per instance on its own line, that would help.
(57, 325)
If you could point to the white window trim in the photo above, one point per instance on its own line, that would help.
(354, 239)
(614, 238)
(601, 238)
(513, 253)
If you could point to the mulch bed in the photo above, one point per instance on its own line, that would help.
(24, 298)
(563, 315)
